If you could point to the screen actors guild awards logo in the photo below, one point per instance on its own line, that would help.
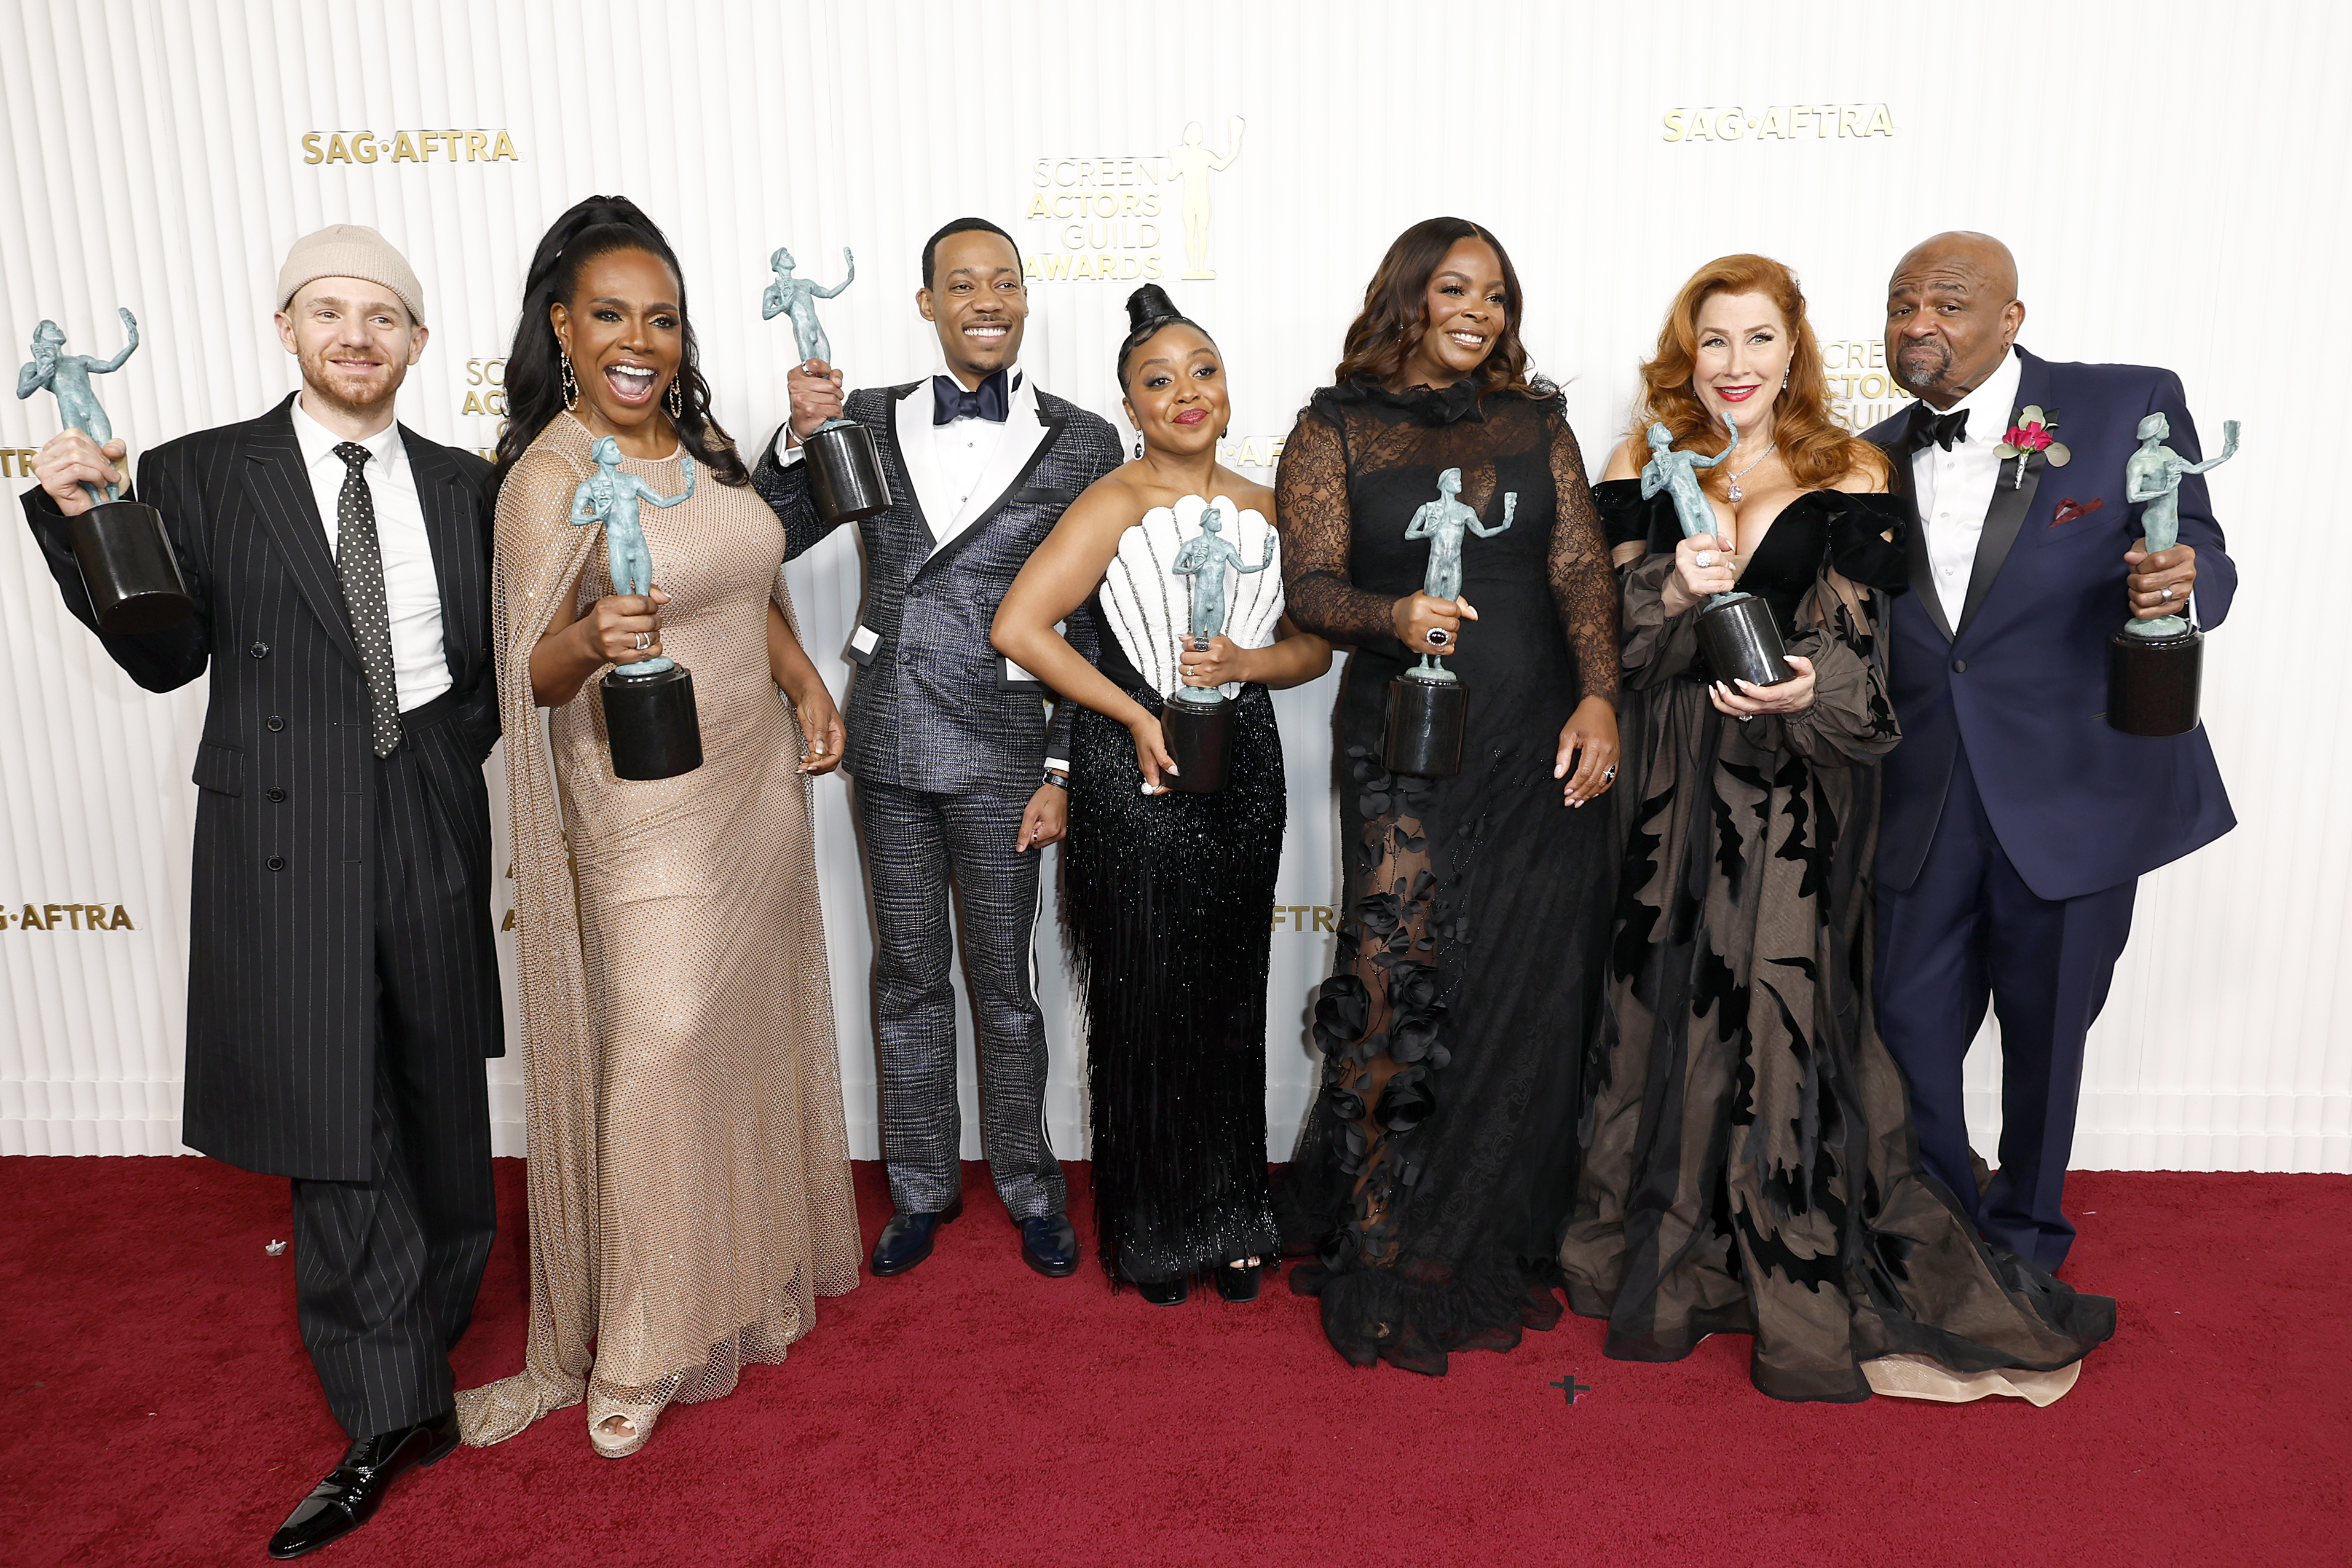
(1110, 210)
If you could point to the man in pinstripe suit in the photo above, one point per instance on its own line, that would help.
(343, 983)
(961, 778)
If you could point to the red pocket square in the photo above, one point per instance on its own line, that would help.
(2071, 508)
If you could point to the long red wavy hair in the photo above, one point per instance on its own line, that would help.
(1817, 450)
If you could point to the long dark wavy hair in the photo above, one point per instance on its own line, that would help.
(599, 226)
(1384, 334)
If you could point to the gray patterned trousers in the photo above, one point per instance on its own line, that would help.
(917, 844)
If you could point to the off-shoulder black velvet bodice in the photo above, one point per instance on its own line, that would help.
(1818, 531)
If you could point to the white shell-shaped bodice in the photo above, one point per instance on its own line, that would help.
(1149, 608)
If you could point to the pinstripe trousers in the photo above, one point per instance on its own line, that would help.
(386, 1271)
(917, 842)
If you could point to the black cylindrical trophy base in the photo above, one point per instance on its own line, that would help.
(650, 725)
(2152, 682)
(1742, 644)
(1425, 724)
(127, 565)
(845, 473)
(1201, 739)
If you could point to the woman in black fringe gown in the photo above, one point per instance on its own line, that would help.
(1434, 1171)
(1165, 893)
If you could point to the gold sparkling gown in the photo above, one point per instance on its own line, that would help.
(689, 1176)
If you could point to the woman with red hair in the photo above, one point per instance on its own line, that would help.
(1749, 1164)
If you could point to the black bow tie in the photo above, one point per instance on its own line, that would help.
(1940, 429)
(989, 401)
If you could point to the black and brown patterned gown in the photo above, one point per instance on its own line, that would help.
(1434, 1169)
(1749, 1164)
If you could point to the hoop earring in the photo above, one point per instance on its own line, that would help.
(677, 399)
(571, 387)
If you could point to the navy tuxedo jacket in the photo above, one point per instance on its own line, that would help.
(933, 706)
(281, 942)
(2022, 682)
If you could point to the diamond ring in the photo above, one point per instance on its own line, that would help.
(2166, 593)
(1704, 558)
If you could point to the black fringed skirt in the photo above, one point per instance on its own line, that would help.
(1164, 910)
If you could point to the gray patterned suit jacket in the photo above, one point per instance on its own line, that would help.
(933, 707)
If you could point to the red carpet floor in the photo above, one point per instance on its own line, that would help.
(160, 1410)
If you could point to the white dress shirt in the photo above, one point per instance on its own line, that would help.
(1955, 489)
(960, 454)
(412, 588)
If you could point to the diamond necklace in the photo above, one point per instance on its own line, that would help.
(1735, 478)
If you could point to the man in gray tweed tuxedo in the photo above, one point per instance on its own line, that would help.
(961, 776)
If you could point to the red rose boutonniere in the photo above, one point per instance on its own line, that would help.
(2034, 432)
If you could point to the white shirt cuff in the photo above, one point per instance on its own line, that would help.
(786, 455)
(1058, 764)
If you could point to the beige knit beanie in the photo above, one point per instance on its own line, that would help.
(351, 250)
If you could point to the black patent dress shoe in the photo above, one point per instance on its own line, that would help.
(1164, 1292)
(354, 1489)
(907, 1239)
(1238, 1284)
(1049, 1244)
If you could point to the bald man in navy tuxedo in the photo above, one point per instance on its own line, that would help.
(2016, 822)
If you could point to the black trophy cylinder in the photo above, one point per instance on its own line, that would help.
(1425, 723)
(650, 723)
(2152, 682)
(1201, 739)
(127, 565)
(1741, 644)
(845, 473)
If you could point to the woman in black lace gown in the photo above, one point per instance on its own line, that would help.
(1165, 893)
(1434, 1171)
(1749, 1162)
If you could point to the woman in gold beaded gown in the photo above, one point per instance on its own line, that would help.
(689, 1176)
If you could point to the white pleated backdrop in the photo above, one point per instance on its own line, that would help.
(2170, 181)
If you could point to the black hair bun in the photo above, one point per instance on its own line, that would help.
(1148, 306)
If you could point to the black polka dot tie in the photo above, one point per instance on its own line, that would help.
(359, 561)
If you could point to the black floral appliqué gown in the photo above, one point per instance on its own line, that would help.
(1434, 1169)
(1750, 1163)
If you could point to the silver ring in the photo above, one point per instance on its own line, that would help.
(645, 641)
(2166, 593)
(1609, 773)
(1704, 558)
(1438, 637)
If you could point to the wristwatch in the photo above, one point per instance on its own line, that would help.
(1060, 781)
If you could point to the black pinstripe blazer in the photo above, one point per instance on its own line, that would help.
(933, 706)
(281, 964)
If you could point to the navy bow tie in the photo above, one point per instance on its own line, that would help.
(1940, 429)
(990, 401)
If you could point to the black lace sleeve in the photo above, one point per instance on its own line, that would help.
(1583, 585)
(1313, 516)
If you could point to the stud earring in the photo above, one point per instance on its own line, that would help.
(571, 387)
(677, 399)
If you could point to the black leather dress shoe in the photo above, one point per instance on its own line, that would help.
(907, 1239)
(354, 1489)
(1050, 1245)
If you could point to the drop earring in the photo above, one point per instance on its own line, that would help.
(1784, 379)
(571, 387)
(677, 399)
(1139, 446)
